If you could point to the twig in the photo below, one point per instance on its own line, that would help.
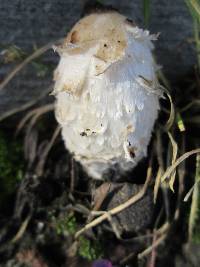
(163, 229)
(21, 230)
(152, 260)
(119, 208)
(150, 248)
(127, 258)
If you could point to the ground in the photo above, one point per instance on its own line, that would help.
(46, 199)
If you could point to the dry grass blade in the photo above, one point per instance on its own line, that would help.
(40, 166)
(163, 79)
(34, 119)
(170, 169)
(166, 88)
(25, 106)
(21, 230)
(150, 248)
(170, 121)
(159, 153)
(30, 147)
(114, 226)
(35, 112)
(195, 201)
(189, 193)
(157, 184)
(119, 208)
(18, 68)
(174, 156)
(162, 230)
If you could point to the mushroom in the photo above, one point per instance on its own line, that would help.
(107, 93)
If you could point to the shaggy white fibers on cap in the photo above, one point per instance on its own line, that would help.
(107, 92)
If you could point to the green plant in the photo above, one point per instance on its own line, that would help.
(11, 165)
(146, 11)
(67, 223)
(194, 8)
(88, 249)
(12, 53)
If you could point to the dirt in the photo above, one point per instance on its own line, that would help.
(34, 231)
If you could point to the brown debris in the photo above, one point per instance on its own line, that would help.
(100, 195)
(31, 257)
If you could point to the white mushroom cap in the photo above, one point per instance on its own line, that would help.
(107, 92)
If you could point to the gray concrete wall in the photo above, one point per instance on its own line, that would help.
(29, 23)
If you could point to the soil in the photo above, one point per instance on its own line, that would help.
(32, 233)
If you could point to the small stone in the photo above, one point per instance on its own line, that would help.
(137, 216)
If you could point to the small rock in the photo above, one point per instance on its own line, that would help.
(136, 217)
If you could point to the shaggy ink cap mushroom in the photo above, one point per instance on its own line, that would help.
(107, 93)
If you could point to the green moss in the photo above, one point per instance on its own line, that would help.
(88, 249)
(66, 224)
(11, 166)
